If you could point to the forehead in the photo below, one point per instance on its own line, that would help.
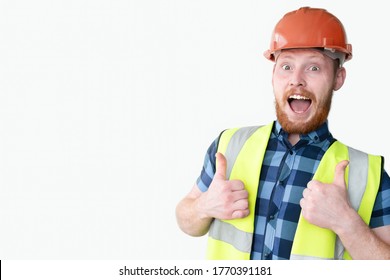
(303, 54)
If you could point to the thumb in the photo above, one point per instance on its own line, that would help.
(339, 174)
(220, 170)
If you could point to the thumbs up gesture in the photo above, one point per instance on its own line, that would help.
(324, 204)
(225, 199)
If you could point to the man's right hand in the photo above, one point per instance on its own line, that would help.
(225, 199)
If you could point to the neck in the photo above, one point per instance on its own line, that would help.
(293, 139)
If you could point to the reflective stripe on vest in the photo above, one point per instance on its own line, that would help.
(244, 150)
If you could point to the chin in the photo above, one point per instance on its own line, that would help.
(301, 126)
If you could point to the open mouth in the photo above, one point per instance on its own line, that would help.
(299, 103)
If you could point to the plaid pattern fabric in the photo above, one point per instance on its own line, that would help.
(285, 172)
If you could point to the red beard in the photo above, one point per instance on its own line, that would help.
(308, 125)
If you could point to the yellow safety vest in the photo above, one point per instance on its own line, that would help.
(244, 149)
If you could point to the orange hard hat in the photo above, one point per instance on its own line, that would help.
(309, 28)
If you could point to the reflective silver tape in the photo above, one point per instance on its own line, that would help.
(300, 257)
(235, 145)
(358, 175)
(357, 182)
(228, 233)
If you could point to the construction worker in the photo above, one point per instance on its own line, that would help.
(289, 189)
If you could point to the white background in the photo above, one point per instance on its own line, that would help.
(107, 108)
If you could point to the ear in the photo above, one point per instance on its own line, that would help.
(341, 74)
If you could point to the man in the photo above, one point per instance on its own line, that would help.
(289, 190)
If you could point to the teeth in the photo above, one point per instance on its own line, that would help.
(296, 96)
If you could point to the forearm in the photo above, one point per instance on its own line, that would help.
(362, 242)
(190, 219)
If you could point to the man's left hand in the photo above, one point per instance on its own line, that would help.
(323, 204)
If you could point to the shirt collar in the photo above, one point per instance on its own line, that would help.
(316, 136)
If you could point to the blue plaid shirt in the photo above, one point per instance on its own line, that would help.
(285, 172)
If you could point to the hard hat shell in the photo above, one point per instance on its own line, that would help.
(309, 28)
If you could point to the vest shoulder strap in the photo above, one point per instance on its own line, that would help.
(231, 143)
(362, 178)
(244, 150)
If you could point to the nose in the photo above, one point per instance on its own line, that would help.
(297, 79)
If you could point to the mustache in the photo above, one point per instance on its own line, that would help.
(303, 92)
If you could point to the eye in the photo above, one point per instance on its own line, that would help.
(314, 68)
(286, 67)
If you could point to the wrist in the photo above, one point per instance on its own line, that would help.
(349, 224)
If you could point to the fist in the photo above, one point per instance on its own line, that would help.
(225, 199)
